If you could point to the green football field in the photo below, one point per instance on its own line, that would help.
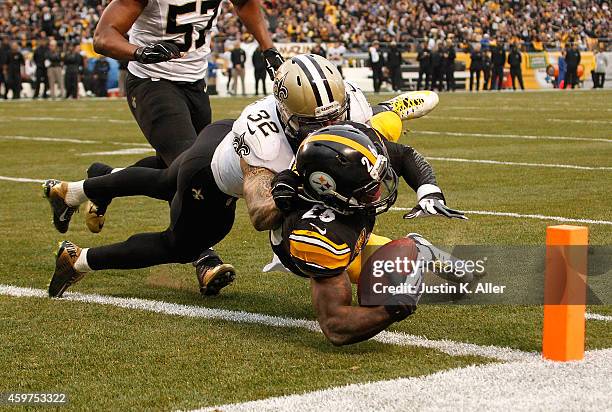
(538, 156)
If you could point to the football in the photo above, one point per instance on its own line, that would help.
(390, 266)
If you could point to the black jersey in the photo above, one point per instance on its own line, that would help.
(319, 242)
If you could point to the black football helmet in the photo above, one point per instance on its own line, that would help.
(346, 170)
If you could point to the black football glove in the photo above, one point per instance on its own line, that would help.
(401, 305)
(156, 53)
(434, 205)
(285, 190)
(273, 61)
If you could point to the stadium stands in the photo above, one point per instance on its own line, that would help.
(68, 21)
(534, 24)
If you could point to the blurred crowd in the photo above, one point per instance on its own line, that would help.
(532, 24)
(66, 21)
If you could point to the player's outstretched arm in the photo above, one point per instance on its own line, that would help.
(258, 196)
(116, 20)
(340, 322)
(419, 175)
(249, 12)
(251, 15)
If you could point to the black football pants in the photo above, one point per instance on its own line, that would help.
(170, 114)
(200, 214)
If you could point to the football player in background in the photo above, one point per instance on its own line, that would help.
(234, 160)
(167, 50)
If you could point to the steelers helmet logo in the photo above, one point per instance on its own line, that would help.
(322, 182)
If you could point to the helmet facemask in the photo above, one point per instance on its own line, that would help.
(299, 127)
(374, 197)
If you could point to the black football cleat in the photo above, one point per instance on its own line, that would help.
(55, 192)
(214, 278)
(65, 274)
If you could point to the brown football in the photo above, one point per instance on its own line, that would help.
(405, 249)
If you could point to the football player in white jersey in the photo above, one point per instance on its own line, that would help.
(167, 50)
(230, 160)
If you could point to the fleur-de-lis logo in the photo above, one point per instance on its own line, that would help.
(197, 194)
(280, 90)
(241, 148)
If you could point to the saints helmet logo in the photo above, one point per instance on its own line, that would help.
(280, 90)
(241, 148)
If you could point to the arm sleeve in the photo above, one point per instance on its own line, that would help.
(413, 168)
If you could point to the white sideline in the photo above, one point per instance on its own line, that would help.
(517, 386)
(394, 338)
(69, 140)
(522, 216)
(511, 136)
(597, 316)
(498, 162)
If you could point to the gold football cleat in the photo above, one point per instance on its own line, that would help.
(94, 217)
(65, 274)
(213, 279)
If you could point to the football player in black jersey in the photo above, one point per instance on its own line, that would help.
(348, 175)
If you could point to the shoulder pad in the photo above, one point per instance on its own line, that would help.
(257, 134)
(317, 254)
(360, 109)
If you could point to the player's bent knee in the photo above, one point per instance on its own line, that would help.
(181, 251)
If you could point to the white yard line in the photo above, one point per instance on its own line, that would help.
(68, 140)
(463, 118)
(526, 111)
(63, 119)
(517, 386)
(136, 150)
(519, 109)
(498, 162)
(394, 338)
(523, 216)
(597, 316)
(511, 136)
(21, 179)
(404, 209)
(581, 121)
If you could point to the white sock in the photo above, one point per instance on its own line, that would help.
(75, 194)
(81, 264)
(117, 169)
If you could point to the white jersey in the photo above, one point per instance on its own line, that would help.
(259, 138)
(185, 22)
(336, 55)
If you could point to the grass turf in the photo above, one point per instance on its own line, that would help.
(122, 359)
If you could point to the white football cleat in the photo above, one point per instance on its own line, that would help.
(412, 105)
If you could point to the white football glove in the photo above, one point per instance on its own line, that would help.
(433, 206)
